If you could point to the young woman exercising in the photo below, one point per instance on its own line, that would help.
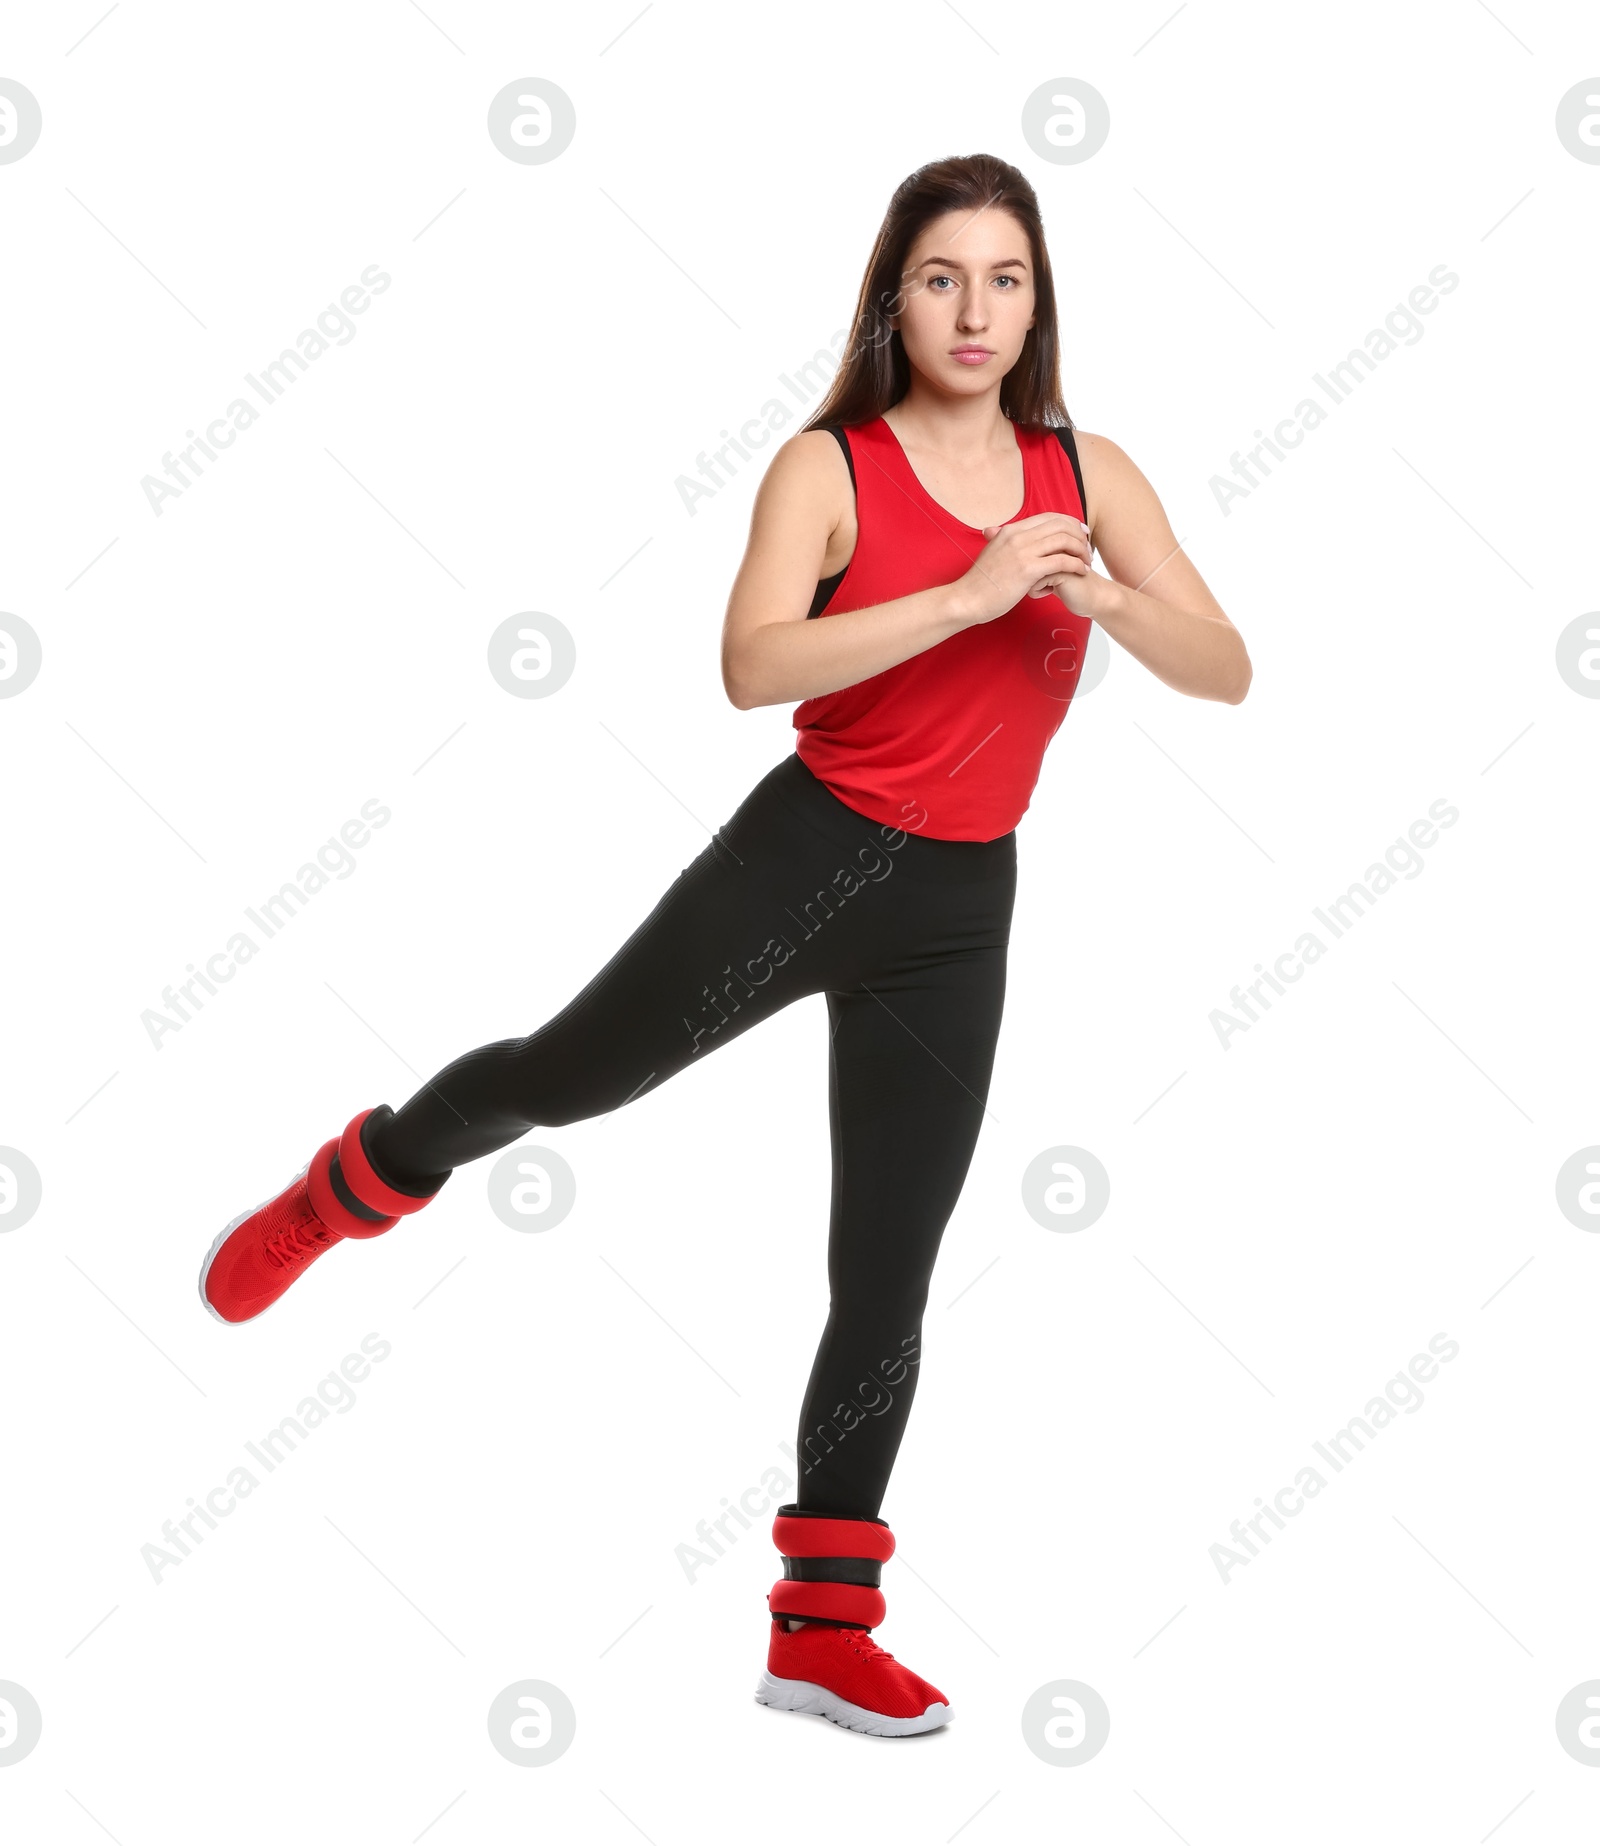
(937, 511)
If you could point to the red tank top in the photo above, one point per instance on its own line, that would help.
(948, 743)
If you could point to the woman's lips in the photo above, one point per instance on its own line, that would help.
(971, 355)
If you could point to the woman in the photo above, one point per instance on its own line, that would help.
(937, 511)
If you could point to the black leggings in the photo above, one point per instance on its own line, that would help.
(797, 893)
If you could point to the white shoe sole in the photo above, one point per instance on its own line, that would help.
(803, 1695)
(221, 1238)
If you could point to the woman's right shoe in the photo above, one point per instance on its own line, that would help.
(254, 1259)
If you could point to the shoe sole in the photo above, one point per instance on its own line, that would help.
(804, 1696)
(222, 1237)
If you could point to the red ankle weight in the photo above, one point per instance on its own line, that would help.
(851, 1603)
(831, 1568)
(325, 1202)
(809, 1536)
(364, 1183)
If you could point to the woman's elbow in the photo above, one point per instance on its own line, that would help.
(746, 676)
(742, 696)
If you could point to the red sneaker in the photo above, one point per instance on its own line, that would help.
(256, 1257)
(843, 1674)
(262, 1251)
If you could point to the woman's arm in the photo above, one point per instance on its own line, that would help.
(1155, 603)
(772, 655)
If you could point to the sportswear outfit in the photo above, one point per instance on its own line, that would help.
(875, 865)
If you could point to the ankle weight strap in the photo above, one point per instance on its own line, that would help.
(834, 1570)
(329, 1207)
(831, 1567)
(363, 1182)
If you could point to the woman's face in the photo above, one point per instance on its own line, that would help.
(968, 283)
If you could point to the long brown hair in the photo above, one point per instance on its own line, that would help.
(875, 374)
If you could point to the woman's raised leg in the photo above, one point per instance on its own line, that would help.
(738, 935)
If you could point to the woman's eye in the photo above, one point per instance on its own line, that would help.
(1014, 282)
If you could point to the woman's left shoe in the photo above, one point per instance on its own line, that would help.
(831, 1666)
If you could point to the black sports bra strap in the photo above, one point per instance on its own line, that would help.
(1069, 442)
(844, 443)
(826, 588)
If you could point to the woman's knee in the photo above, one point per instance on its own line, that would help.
(555, 1085)
(880, 1329)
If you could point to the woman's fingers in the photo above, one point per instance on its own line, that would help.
(1066, 546)
(1035, 520)
(1047, 585)
(1043, 522)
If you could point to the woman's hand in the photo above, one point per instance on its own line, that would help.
(1084, 592)
(1028, 557)
(1080, 588)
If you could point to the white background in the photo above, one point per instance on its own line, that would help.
(1291, 1218)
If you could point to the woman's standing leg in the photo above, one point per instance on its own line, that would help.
(912, 1053)
(910, 1063)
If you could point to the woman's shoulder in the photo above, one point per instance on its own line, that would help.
(817, 455)
(802, 448)
(1100, 453)
(1083, 440)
